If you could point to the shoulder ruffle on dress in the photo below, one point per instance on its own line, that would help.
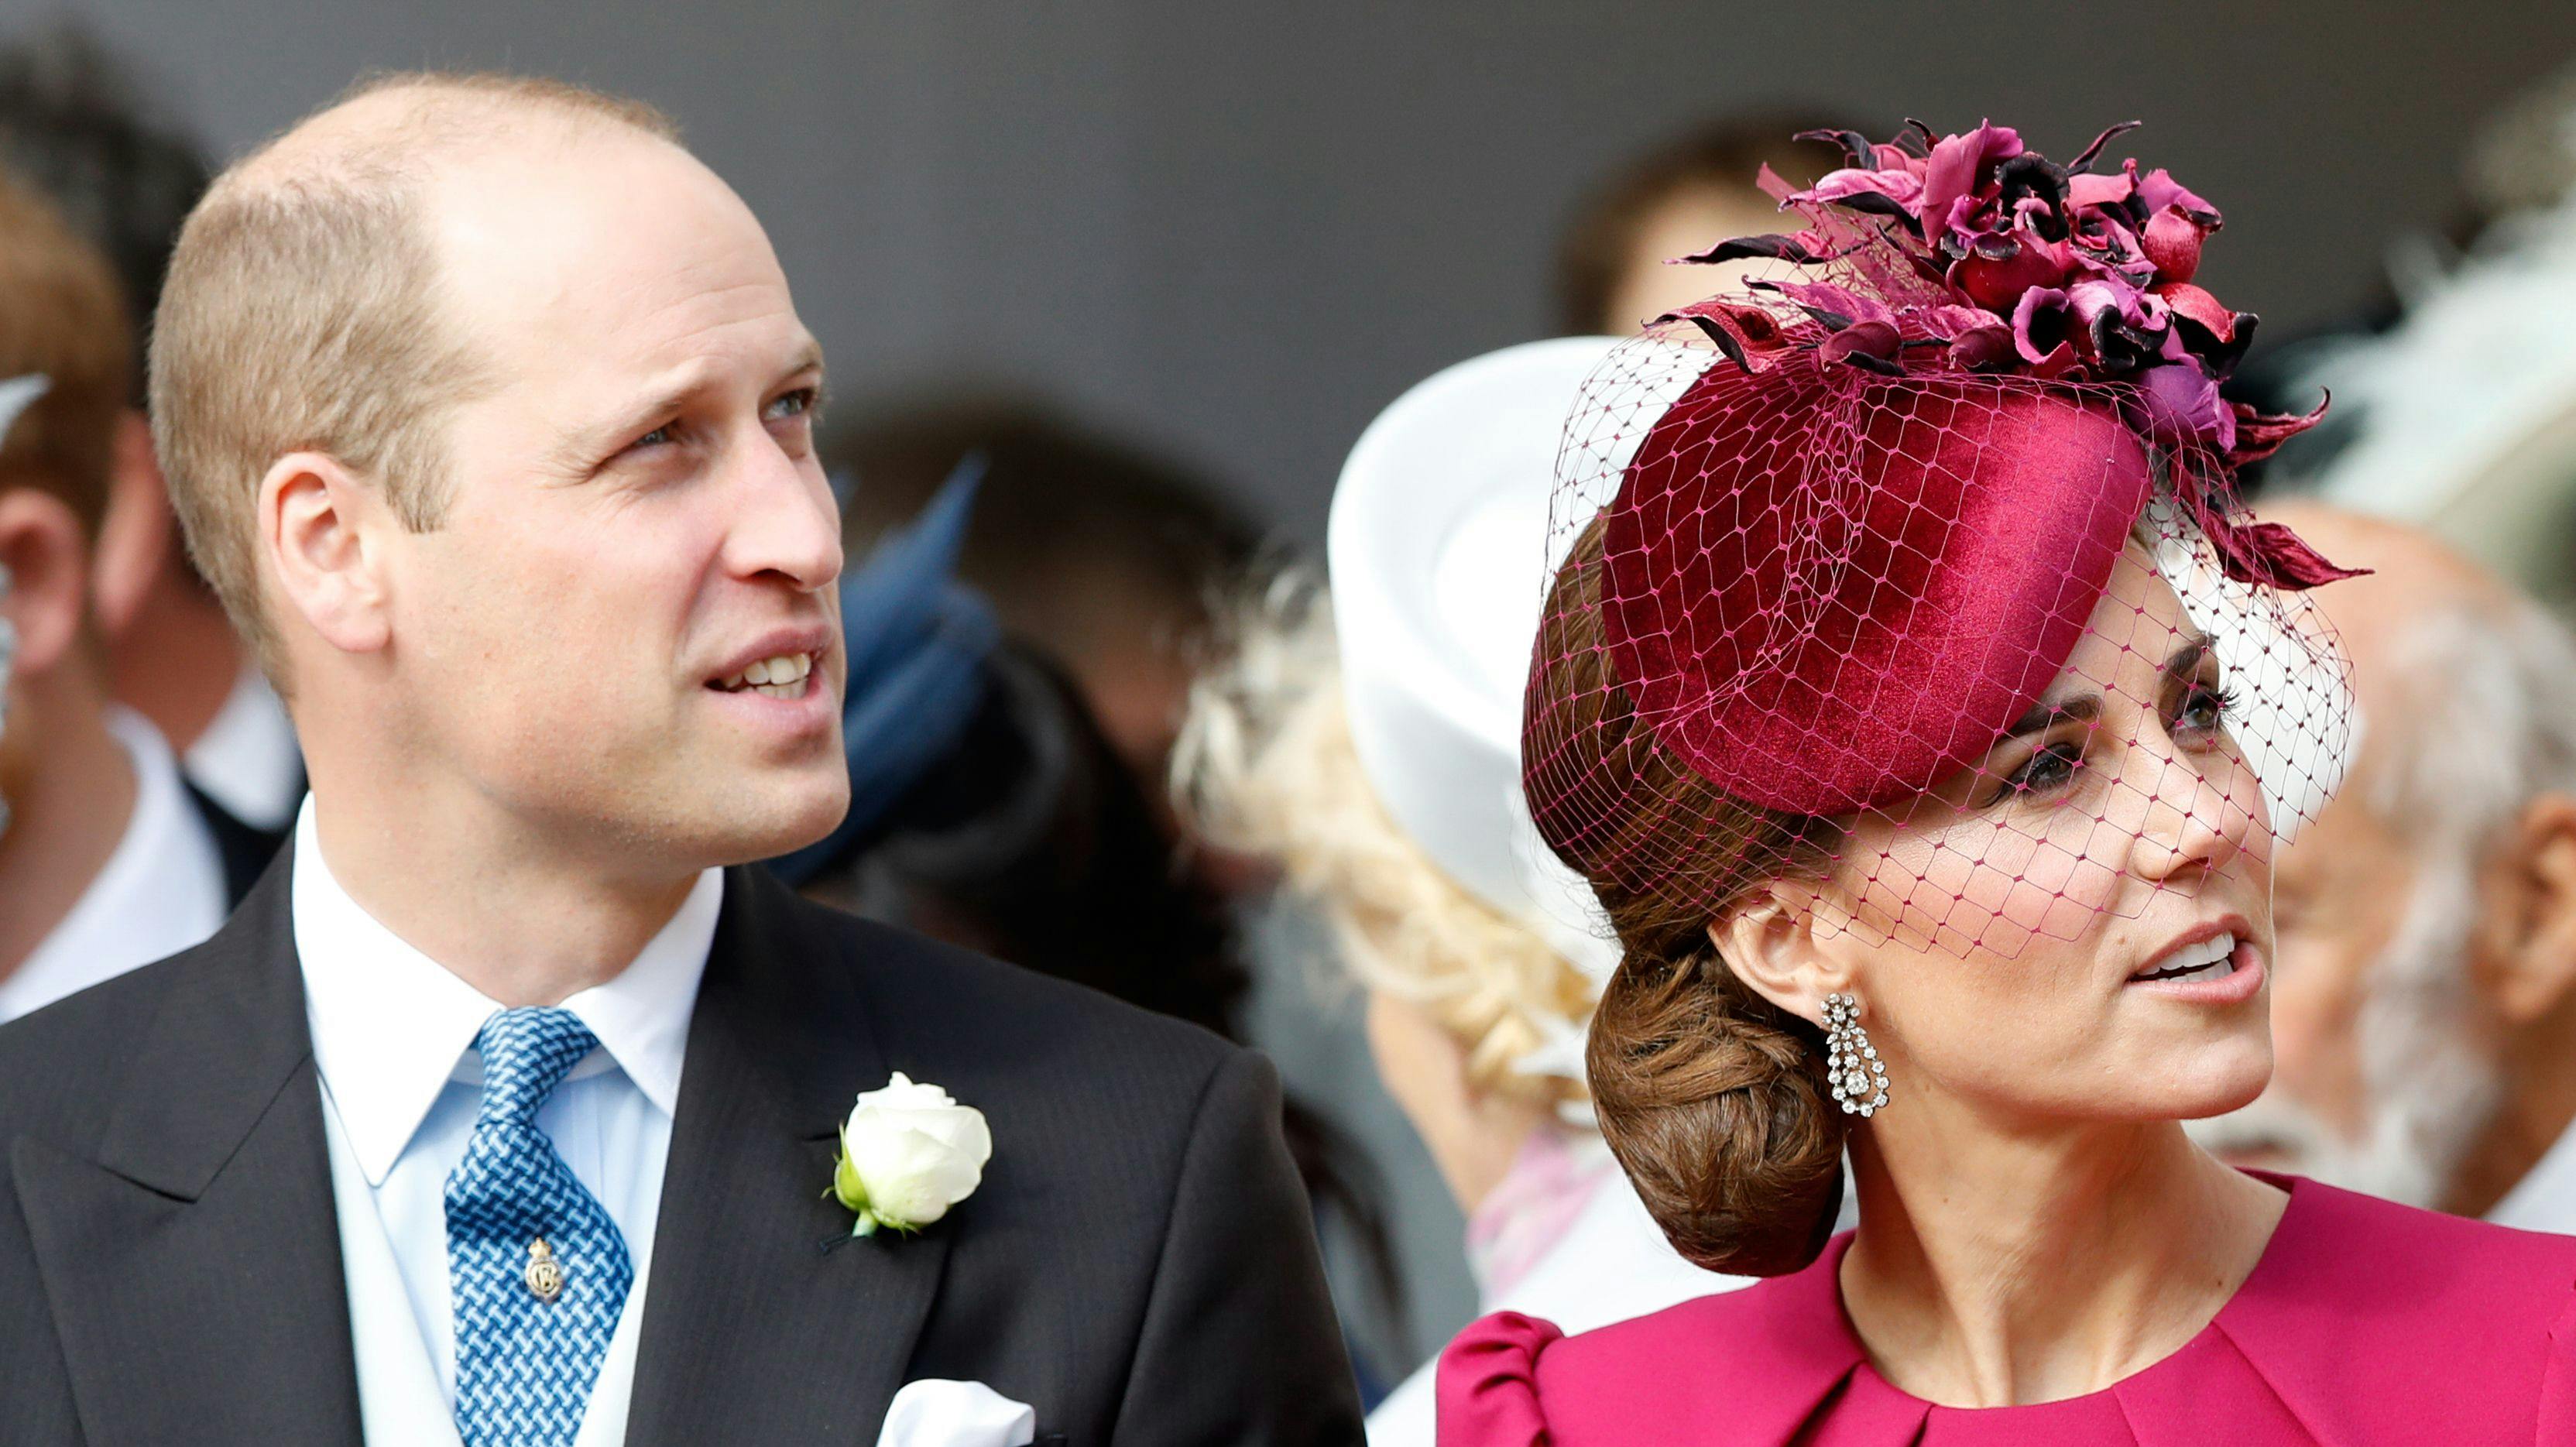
(2364, 1325)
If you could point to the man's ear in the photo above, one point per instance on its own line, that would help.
(46, 551)
(2535, 969)
(1768, 939)
(136, 536)
(321, 535)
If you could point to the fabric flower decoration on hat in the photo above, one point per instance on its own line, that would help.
(1974, 254)
(1832, 567)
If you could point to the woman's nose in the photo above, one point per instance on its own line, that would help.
(2196, 810)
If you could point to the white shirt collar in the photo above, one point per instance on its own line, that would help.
(161, 890)
(391, 1026)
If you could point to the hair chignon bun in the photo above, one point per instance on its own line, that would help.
(1713, 1099)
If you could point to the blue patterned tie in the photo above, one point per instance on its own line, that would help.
(537, 1270)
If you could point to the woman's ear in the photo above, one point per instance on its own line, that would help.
(1768, 940)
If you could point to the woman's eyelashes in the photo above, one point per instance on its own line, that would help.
(2197, 715)
(2207, 705)
(2050, 767)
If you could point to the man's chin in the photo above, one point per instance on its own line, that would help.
(794, 824)
(762, 819)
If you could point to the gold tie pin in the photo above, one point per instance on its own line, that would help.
(545, 1274)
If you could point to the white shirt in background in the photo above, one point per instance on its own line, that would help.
(161, 891)
(1610, 1263)
(393, 1037)
(247, 759)
(2545, 1198)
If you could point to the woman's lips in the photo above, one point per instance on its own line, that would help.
(2240, 981)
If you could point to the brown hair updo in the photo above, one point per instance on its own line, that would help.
(1713, 1099)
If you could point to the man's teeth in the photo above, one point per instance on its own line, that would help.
(780, 677)
(2209, 959)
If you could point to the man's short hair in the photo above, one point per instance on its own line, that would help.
(61, 315)
(75, 125)
(2490, 723)
(303, 313)
(1724, 155)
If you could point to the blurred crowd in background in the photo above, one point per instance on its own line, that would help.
(1094, 721)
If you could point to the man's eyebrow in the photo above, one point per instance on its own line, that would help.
(808, 358)
(573, 448)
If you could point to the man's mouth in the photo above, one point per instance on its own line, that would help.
(2210, 959)
(784, 676)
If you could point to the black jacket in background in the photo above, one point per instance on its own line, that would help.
(243, 850)
(1139, 1264)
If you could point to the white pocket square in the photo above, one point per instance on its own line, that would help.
(934, 1413)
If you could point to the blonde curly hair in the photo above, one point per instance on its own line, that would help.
(1265, 765)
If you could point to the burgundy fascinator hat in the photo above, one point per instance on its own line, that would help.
(1838, 531)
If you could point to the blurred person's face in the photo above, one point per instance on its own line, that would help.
(43, 581)
(2383, 1082)
(625, 631)
(1473, 1134)
(1688, 221)
(2423, 984)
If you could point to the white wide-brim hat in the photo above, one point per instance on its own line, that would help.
(1440, 557)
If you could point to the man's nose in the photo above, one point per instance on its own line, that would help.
(785, 523)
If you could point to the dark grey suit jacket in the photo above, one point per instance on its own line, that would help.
(1139, 1263)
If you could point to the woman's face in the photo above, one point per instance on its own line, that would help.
(2080, 924)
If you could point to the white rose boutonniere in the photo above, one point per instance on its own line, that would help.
(908, 1153)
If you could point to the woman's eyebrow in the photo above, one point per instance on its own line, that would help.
(2186, 660)
(2084, 708)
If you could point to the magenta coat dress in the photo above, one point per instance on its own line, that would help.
(2364, 1323)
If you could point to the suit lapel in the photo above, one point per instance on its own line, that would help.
(763, 1322)
(193, 1265)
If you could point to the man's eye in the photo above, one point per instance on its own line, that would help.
(659, 436)
(795, 404)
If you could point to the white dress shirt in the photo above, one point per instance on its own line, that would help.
(161, 891)
(393, 1038)
(247, 758)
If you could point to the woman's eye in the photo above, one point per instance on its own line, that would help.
(2205, 709)
(658, 437)
(2048, 770)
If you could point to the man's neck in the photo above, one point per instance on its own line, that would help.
(2535, 1108)
(524, 920)
(1998, 1267)
(65, 821)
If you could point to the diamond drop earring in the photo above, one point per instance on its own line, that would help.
(1852, 1067)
